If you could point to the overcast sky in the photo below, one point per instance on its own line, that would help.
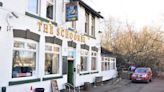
(138, 12)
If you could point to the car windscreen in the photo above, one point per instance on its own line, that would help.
(140, 70)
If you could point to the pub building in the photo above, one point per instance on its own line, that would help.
(40, 42)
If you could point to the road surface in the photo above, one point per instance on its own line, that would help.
(156, 86)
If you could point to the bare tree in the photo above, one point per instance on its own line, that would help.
(143, 48)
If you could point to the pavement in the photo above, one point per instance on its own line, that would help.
(108, 85)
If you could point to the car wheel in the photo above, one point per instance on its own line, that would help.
(150, 80)
(132, 81)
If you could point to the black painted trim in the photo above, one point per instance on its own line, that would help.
(49, 39)
(23, 81)
(95, 49)
(19, 33)
(88, 8)
(94, 72)
(84, 73)
(89, 36)
(84, 46)
(40, 18)
(53, 40)
(58, 41)
(72, 44)
(26, 34)
(51, 78)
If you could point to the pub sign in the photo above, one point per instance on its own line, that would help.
(72, 11)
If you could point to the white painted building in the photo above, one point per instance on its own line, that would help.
(37, 45)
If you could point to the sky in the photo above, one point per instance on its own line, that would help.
(137, 12)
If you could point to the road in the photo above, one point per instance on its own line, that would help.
(156, 86)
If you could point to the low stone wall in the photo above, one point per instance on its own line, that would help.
(161, 75)
(125, 75)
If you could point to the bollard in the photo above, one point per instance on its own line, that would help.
(3, 89)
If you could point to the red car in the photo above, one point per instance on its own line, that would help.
(142, 74)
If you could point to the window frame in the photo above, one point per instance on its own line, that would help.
(94, 55)
(83, 54)
(38, 8)
(93, 26)
(87, 20)
(26, 41)
(54, 9)
(59, 61)
(105, 64)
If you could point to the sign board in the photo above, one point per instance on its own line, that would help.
(72, 11)
(54, 86)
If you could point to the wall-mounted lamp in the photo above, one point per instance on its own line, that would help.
(10, 16)
(14, 15)
(1, 4)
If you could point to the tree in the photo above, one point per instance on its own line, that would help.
(143, 48)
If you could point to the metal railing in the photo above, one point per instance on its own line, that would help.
(71, 86)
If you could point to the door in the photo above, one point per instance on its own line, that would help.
(70, 72)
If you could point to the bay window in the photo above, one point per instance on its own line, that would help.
(24, 59)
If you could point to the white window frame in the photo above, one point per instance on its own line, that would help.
(93, 31)
(94, 54)
(108, 62)
(52, 52)
(52, 2)
(25, 41)
(38, 8)
(84, 53)
(87, 24)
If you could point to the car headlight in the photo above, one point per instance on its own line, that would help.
(144, 75)
(134, 75)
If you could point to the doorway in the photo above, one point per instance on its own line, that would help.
(70, 72)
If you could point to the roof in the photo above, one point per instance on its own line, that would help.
(105, 52)
(88, 8)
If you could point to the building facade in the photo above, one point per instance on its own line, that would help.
(39, 44)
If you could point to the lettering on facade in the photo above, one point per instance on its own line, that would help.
(70, 35)
(48, 28)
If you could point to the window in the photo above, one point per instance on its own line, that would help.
(52, 55)
(93, 26)
(84, 60)
(94, 61)
(74, 24)
(50, 9)
(105, 64)
(87, 23)
(32, 6)
(24, 59)
(102, 66)
(114, 65)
